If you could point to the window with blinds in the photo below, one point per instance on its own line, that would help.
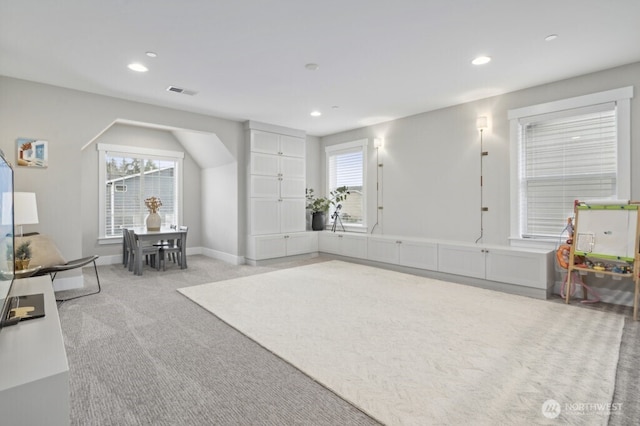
(128, 177)
(565, 156)
(345, 167)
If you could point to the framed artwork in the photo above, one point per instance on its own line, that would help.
(32, 153)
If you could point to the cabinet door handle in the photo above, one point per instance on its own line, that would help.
(398, 242)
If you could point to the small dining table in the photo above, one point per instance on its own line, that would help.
(143, 235)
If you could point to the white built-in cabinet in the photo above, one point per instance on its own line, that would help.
(343, 244)
(402, 251)
(276, 180)
(281, 245)
(531, 268)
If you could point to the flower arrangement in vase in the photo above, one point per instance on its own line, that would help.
(153, 219)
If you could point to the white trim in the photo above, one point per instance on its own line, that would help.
(571, 103)
(360, 143)
(124, 149)
(622, 99)
(147, 153)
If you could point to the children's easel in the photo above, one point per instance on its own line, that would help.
(608, 237)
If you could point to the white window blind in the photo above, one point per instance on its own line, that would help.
(565, 156)
(128, 176)
(345, 167)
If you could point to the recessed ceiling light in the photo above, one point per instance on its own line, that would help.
(551, 37)
(137, 67)
(312, 66)
(316, 113)
(481, 60)
(152, 54)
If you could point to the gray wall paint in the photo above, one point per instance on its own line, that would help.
(69, 120)
(430, 182)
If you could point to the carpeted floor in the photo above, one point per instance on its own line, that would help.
(140, 353)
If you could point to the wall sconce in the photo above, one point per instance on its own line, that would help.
(481, 124)
(378, 142)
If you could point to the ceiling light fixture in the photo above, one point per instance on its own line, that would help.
(137, 67)
(481, 60)
(551, 37)
(151, 54)
(316, 113)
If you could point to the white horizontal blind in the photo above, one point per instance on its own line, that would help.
(346, 168)
(131, 179)
(565, 157)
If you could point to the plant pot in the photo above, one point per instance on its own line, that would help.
(317, 221)
(153, 222)
(22, 264)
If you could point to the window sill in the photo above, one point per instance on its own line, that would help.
(109, 240)
(537, 243)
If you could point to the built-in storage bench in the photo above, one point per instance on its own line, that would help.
(518, 270)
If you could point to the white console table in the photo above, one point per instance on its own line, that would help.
(34, 372)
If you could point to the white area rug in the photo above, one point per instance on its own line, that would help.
(410, 350)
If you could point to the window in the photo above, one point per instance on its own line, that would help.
(128, 176)
(346, 167)
(576, 149)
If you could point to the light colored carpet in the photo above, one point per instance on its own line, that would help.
(414, 351)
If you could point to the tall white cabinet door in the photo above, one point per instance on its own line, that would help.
(265, 142)
(292, 218)
(264, 216)
(292, 167)
(423, 255)
(292, 146)
(290, 188)
(265, 164)
(461, 260)
(265, 186)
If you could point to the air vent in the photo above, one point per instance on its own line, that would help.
(181, 90)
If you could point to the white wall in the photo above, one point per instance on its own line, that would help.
(431, 185)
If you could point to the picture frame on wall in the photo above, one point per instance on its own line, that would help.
(32, 153)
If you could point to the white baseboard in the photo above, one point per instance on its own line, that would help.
(215, 254)
(225, 257)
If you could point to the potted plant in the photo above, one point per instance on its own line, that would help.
(23, 256)
(319, 206)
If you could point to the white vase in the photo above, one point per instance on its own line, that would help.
(153, 222)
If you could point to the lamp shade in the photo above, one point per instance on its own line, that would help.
(481, 122)
(25, 208)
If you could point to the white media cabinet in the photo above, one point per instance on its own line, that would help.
(528, 272)
(34, 372)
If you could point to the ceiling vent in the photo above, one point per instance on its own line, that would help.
(181, 90)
